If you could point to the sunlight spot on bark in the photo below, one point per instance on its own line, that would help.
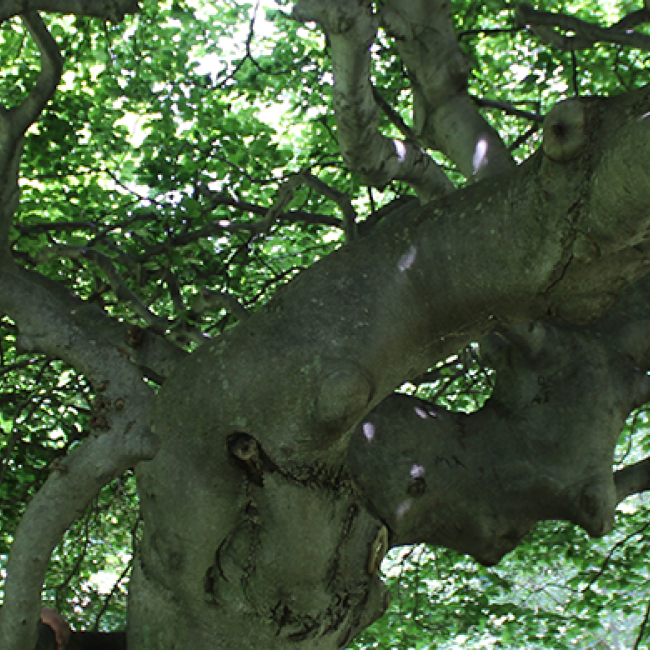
(369, 430)
(407, 259)
(400, 150)
(480, 155)
(417, 471)
(425, 413)
(403, 508)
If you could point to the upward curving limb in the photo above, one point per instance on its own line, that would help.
(14, 122)
(48, 79)
(54, 323)
(445, 117)
(351, 28)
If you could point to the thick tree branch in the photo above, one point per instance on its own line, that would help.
(541, 448)
(256, 449)
(377, 309)
(445, 117)
(120, 437)
(113, 10)
(632, 479)
(351, 28)
(544, 24)
(71, 486)
(49, 317)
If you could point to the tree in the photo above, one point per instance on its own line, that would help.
(156, 230)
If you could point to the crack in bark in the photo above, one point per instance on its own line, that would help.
(563, 272)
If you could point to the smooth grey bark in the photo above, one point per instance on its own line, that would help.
(53, 322)
(263, 525)
(256, 531)
(61, 326)
(444, 116)
(351, 28)
(541, 448)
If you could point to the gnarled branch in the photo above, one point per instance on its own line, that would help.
(121, 434)
(445, 117)
(351, 28)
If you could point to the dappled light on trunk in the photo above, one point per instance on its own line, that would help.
(288, 288)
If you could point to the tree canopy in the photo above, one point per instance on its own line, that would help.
(340, 282)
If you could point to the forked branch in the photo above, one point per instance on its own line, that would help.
(445, 117)
(351, 28)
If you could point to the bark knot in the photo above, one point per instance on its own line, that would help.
(344, 394)
(564, 131)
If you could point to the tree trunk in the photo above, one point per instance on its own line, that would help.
(260, 533)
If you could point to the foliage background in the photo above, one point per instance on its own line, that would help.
(147, 182)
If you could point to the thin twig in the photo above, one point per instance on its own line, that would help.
(639, 638)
